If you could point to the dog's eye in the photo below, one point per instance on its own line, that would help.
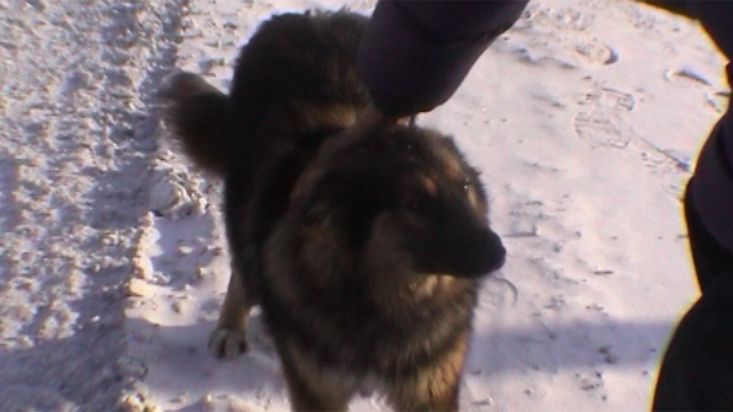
(467, 185)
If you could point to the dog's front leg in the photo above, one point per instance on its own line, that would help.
(435, 385)
(228, 340)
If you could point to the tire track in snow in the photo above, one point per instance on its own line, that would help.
(75, 148)
(182, 261)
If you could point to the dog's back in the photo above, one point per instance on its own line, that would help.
(294, 83)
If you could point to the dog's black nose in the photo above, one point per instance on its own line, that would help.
(472, 254)
(484, 253)
(469, 251)
(499, 253)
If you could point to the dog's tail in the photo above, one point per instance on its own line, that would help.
(197, 113)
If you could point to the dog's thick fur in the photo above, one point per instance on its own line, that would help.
(364, 248)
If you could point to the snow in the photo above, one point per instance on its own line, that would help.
(585, 119)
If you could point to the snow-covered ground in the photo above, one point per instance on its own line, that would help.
(585, 119)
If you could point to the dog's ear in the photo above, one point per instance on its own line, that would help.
(352, 131)
(321, 195)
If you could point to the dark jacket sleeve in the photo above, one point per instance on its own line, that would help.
(415, 54)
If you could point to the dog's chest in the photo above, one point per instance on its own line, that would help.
(430, 286)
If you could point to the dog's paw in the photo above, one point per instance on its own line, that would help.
(227, 343)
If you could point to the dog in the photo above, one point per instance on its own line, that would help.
(365, 248)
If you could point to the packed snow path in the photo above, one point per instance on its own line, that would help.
(78, 80)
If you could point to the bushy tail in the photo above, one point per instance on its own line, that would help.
(197, 113)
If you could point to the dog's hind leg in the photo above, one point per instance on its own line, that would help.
(228, 340)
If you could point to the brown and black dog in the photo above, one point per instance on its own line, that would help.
(365, 248)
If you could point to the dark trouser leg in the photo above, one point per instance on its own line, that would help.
(709, 256)
(697, 370)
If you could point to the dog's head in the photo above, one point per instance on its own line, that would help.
(403, 199)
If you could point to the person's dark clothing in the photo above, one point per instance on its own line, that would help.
(415, 54)
(709, 257)
(696, 370)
